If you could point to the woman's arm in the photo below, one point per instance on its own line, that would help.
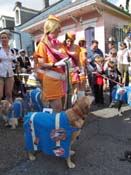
(44, 65)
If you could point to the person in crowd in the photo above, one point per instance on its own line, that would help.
(73, 51)
(24, 66)
(24, 62)
(98, 80)
(114, 76)
(127, 40)
(112, 57)
(92, 51)
(49, 53)
(124, 57)
(32, 62)
(111, 45)
(38, 71)
(83, 60)
(6, 69)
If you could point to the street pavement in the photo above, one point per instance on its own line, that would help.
(103, 141)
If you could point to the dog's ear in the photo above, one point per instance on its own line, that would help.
(84, 104)
(5, 104)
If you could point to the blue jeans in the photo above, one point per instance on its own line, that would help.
(91, 81)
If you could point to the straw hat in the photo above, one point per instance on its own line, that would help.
(21, 50)
(71, 35)
(82, 39)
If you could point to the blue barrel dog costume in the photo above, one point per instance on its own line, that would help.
(17, 110)
(33, 100)
(50, 133)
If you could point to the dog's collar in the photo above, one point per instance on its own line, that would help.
(78, 113)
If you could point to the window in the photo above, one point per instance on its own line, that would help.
(17, 17)
(118, 34)
(89, 35)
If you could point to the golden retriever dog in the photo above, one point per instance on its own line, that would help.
(75, 116)
(12, 112)
(4, 109)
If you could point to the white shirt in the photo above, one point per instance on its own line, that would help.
(123, 56)
(6, 63)
(32, 63)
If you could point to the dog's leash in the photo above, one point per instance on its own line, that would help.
(121, 84)
(68, 84)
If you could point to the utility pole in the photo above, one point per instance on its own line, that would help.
(127, 5)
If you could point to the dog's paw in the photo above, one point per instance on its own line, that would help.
(14, 126)
(31, 157)
(71, 165)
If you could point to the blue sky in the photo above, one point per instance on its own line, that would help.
(123, 2)
(6, 6)
(118, 2)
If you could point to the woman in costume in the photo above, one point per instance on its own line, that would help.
(73, 52)
(49, 53)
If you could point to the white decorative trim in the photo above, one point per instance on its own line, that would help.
(33, 130)
(75, 8)
(7, 18)
(17, 18)
(57, 125)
